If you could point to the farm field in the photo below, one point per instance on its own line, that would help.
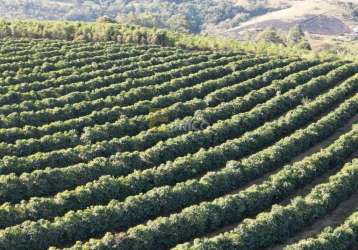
(109, 146)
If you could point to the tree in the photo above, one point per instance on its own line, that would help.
(180, 23)
(296, 38)
(304, 44)
(270, 35)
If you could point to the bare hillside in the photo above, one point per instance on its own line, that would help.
(316, 17)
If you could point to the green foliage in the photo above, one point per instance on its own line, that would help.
(283, 221)
(208, 216)
(122, 33)
(295, 35)
(113, 216)
(190, 15)
(270, 35)
(98, 137)
(344, 236)
(209, 114)
(296, 38)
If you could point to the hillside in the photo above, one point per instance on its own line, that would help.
(330, 25)
(141, 145)
(316, 17)
(197, 16)
(327, 23)
(122, 33)
(192, 16)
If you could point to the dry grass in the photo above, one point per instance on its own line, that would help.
(297, 10)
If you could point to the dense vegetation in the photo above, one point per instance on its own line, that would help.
(269, 42)
(193, 16)
(122, 146)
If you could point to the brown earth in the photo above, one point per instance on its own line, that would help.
(321, 25)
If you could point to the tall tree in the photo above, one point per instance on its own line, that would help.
(270, 35)
(296, 37)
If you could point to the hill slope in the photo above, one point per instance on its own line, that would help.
(311, 15)
(149, 147)
(195, 16)
(192, 16)
(329, 25)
